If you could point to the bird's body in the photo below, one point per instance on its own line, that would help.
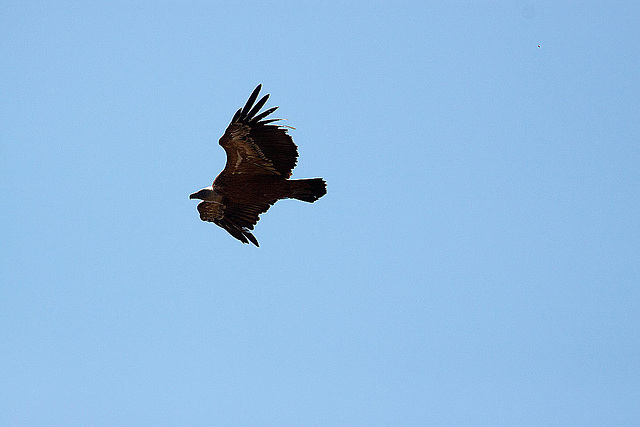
(260, 158)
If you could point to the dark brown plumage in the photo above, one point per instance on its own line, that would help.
(260, 158)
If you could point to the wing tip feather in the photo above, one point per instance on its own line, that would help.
(249, 104)
(250, 114)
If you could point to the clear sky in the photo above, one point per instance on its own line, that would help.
(476, 259)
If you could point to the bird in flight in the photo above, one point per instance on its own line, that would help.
(260, 158)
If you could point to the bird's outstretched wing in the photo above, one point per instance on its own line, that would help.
(236, 219)
(254, 145)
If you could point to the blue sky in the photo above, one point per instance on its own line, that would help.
(475, 261)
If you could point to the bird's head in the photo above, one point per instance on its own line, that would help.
(204, 194)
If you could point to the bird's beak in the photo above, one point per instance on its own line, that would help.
(191, 196)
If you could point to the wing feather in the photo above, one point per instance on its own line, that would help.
(236, 219)
(258, 106)
(236, 116)
(264, 122)
(254, 146)
(250, 101)
(264, 114)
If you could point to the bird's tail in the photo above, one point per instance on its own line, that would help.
(307, 190)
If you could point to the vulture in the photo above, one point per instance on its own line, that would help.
(260, 158)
